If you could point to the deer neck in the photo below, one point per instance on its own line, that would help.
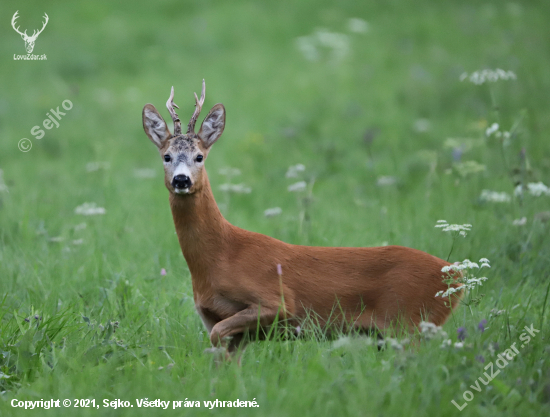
(200, 226)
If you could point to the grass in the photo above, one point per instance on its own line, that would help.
(110, 326)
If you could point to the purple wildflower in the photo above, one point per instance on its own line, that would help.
(279, 269)
(461, 333)
(163, 272)
(481, 325)
(457, 154)
(480, 358)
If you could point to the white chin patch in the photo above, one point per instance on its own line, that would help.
(181, 190)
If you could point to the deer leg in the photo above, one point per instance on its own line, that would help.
(242, 322)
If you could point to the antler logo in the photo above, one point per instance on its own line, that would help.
(29, 40)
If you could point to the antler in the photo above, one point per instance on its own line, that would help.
(14, 18)
(35, 35)
(170, 106)
(198, 107)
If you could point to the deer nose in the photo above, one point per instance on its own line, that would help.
(181, 181)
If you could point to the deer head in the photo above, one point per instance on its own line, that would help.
(184, 154)
(29, 40)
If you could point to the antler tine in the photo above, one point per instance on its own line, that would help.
(170, 106)
(198, 108)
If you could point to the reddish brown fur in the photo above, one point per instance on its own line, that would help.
(234, 270)
(235, 278)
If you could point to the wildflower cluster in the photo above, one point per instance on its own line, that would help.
(494, 129)
(495, 196)
(536, 189)
(235, 188)
(430, 330)
(96, 166)
(335, 46)
(468, 167)
(89, 209)
(348, 342)
(228, 187)
(357, 25)
(454, 229)
(487, 75)
(303, 196)
(272, 212)
(297, 187)
(520, 222)
(466, 279)
(294, 171)
(322, 42)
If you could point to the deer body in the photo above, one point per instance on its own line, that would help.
(235, 274)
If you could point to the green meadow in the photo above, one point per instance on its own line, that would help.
(401, 113)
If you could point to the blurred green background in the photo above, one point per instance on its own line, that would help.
(367, 95)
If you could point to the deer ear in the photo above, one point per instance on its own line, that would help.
(213, 125)
(154, 125)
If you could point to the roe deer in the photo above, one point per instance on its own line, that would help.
(241, 279)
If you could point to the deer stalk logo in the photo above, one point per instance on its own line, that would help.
(29, 40)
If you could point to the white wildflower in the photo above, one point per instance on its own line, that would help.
(96, 166)
(538, 188)
(394, 343)
(460, 229)
(89, 209)
(294, 170)
(520, 222)
(341, 342)
(235, 188)
(430, 330)
(386, 180)
(495, 196)
(446, 343)
(336, 45)
(487, 75)
(357, 25)
(297, 187)
(468, 168)
(459, 345)
(496, 312)
(229, 172)
(271, 212)
(491, 129)
(145, 173)
(466, 280)
(448, 292)
(80, 226)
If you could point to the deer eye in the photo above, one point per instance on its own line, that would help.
(167, 158)
(199, 158)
